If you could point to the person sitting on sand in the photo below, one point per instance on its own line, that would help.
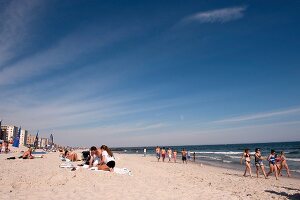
(27, 154)
(272, 164)
(283, 164)
(107, 160)
(246, 155)
(157, 150)
(6, 147)
(163, 154)
(95, 157)
(259, 162)
(184, 154)
(175, 155)
(169, 154)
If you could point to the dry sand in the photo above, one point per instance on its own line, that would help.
(42, 178)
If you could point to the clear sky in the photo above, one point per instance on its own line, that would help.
(134, 73)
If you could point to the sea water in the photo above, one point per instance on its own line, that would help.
(228, 155)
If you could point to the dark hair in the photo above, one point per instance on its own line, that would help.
(93, 148)
(246, 150)
(272, 151)
(257, 149)
(104, 147)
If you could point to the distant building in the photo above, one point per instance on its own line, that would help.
(10, 132)
(23, 137)
(30, 139)
(43, 142)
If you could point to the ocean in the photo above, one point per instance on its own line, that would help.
(228, 155)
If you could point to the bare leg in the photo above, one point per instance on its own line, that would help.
(276, 172)
(104, 167)
(263, 170)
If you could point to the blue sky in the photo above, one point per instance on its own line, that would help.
(134, 73)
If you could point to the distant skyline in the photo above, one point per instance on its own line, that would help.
(141, 73)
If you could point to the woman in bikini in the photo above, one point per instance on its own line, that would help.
(246, 155)
(174, 155)
(163, 154)
(272, 164)
(259, 162)
(283, 164)
(169, 154)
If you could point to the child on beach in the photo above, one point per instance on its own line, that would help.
(272, 164)
(283, 164)
(184, 154)
(175, 155)
(246, 155)
(163, 154)
(157, 150)
(169, 154)
(259, 162)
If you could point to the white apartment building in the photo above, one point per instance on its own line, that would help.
(23, 137)
(10, 132)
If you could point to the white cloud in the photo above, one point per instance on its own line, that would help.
(260, 116)
(217, 16)
(15, 26)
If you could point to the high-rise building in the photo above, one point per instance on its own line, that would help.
(30, 139)
(43, 142)
(10, 132)
(23, 137)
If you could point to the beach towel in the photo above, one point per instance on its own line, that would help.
(66, 165)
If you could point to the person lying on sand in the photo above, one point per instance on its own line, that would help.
(107, 159)
(27, 154)
(72, 156)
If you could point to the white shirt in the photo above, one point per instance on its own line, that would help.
(107, 157)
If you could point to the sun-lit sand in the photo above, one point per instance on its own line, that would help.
(42, 178)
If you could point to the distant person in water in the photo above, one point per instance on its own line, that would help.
(188, 155)
(283, 164)
(107, 161)
(194, 156)
(184, 154)
(246, 156)
(157, 150)
(272, 164)
(175, 155)
(259, 163)
(169, 154)
(163, 154)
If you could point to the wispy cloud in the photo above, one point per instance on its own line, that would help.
(15, 26)
(260, 116)
(216, 16)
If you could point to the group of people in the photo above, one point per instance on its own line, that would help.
(169, 153)
(101, 158)
(276, 163)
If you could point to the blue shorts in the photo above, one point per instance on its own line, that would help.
(157, 155)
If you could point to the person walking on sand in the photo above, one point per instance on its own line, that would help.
(194, 156)
(169, 154)
(259, 163)
(272, 164)
(283, 164)
(145, 152)
(175, 155)
(246, 155)
(163, 154)
(157, 150)
(184, 154)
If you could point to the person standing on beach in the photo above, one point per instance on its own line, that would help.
(272, 164)
(259, 162)
(157, 150)
(184, 154)
(175, 155)
(163, 154)
(246, 155)
(169, 154)
(283, 164)
(145, 152)
(188, 155)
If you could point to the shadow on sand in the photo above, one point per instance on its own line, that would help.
(295, 196)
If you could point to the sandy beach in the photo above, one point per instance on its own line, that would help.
(42, 178)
